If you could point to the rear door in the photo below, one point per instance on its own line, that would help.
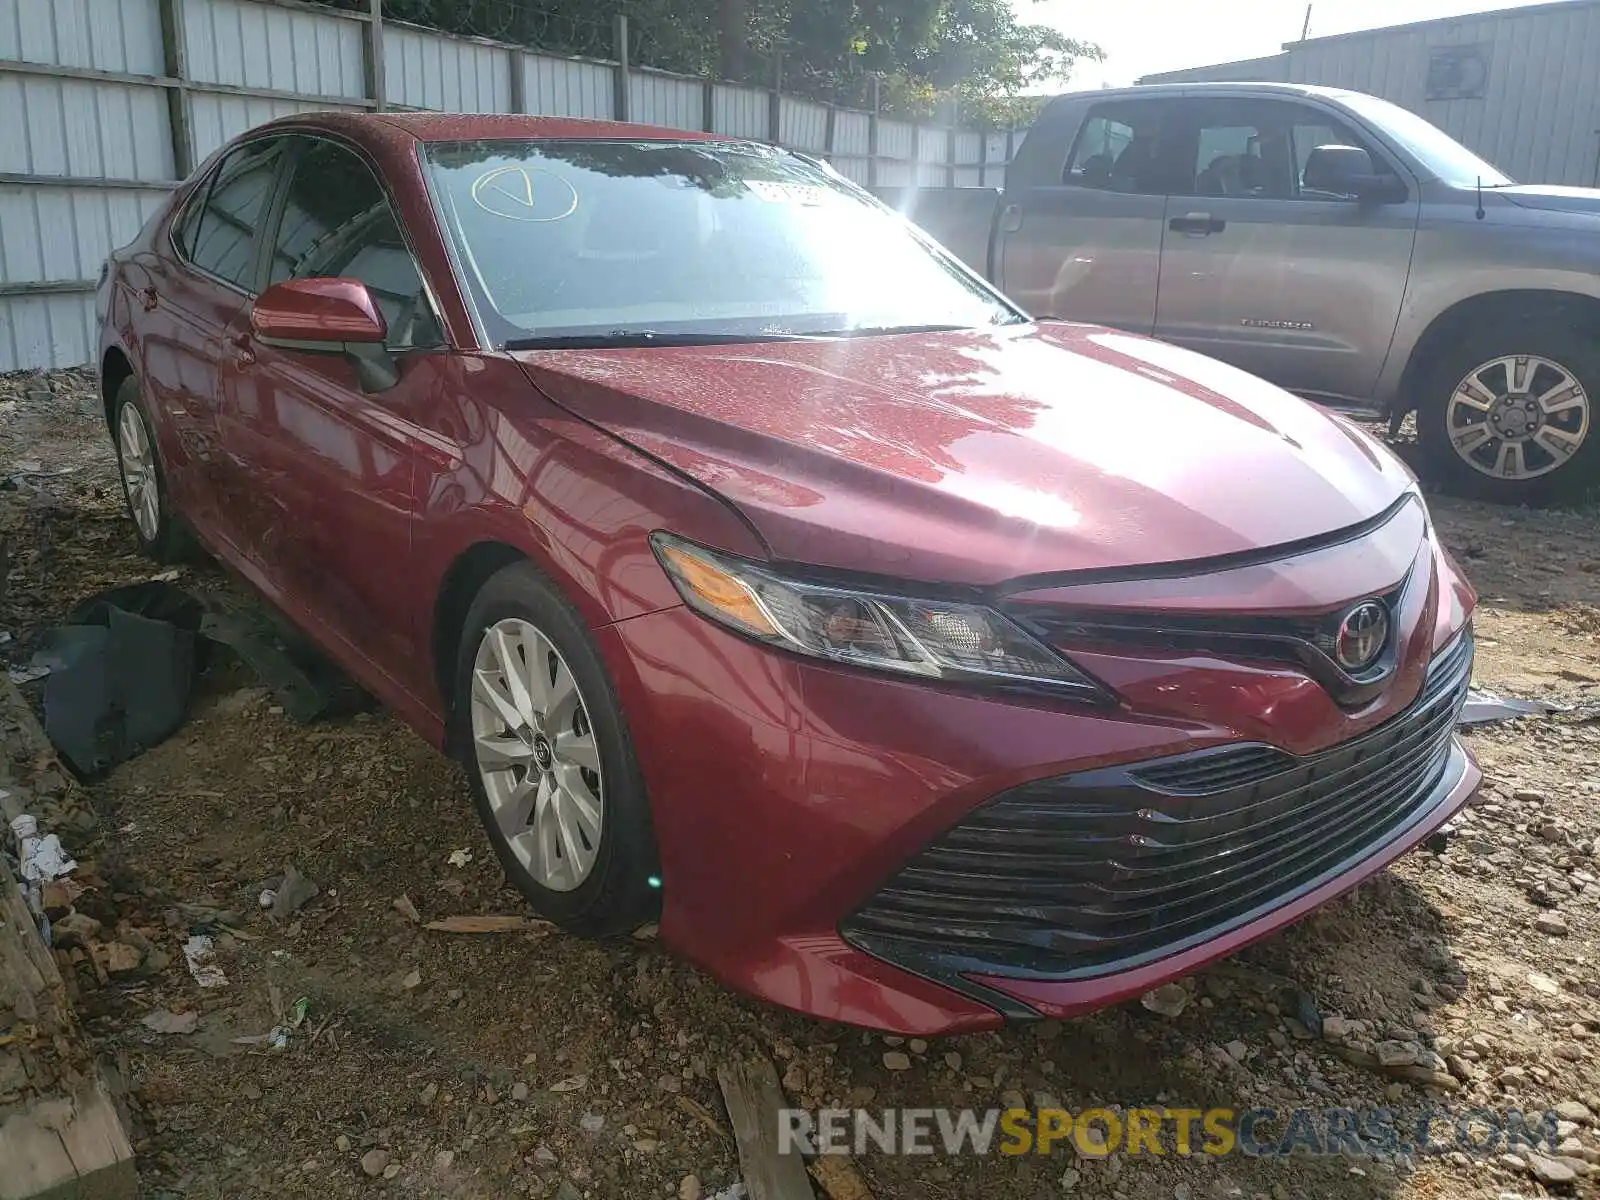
(1081, 237)
(327, 493)
(193, 295)
(1301, 287)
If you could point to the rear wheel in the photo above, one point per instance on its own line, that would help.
(1510, 415)
(551, 766)
(161, 533)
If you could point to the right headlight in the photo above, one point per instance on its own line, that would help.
(932, 638)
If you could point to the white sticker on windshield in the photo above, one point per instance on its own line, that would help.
(787, 193)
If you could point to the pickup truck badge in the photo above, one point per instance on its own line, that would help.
(1263, 323)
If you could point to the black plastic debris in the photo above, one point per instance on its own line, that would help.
(302, 680)
(121, 671)
(123, 666)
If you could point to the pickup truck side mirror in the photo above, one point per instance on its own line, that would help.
(1348, 171)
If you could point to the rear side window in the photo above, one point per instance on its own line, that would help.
(337, 221)
(1119, 149)
(225, 237)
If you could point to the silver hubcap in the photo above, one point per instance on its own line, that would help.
(139, 472)
(1518, 417)
(536, 754)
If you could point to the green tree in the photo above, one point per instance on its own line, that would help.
(926, 53)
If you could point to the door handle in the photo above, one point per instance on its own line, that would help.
(244, 351)
(148, 297)
(1197, 224)
(1011, 218)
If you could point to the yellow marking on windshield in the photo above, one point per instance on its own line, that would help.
(524, 194)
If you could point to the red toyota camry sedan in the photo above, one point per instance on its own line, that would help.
(922, 664)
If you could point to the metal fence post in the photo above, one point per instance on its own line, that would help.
(374, 56)
(872, 132)
(708, 105)
(175, 63)
(952, 140)
(830, 131)
(519, 95)
(619, 77)
(775, 102)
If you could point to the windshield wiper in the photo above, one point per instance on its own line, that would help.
(643, 337)
(878, 330)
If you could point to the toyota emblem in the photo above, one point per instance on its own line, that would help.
(1362, 635)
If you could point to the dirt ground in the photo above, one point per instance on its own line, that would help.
(519, 1064)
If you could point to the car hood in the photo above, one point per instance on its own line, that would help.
(979, 456)
(1552, 198)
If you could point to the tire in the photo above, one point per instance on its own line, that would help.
(1523, 370)
(160, 531)
(609, 885)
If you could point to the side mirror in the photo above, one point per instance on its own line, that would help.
(330, 316)
(1348, 171)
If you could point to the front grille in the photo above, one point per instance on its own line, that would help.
(1306, 642)
(1087, 873)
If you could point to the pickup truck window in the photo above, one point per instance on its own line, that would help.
(1117, 149)
(1254, 148)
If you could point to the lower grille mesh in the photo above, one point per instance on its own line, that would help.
(1070, 875)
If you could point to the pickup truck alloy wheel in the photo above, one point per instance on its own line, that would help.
(1518, 417)
(1507, 411)
(536, 754)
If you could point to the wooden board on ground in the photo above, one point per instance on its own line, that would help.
(839, 1178)
(60, 1137)
(754, 1098)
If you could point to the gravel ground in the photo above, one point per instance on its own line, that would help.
(531, 1064)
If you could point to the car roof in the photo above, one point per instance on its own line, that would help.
(456, 127)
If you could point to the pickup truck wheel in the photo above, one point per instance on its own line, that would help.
(1512, 416)
(547, 753)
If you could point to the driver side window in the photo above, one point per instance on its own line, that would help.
(337, 221)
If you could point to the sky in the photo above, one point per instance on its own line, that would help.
(1142, 36)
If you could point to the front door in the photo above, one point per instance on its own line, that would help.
(332, 467)
(1086, 244)
(1300, 287)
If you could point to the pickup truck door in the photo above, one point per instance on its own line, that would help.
(1300, 287)
(1079, 234)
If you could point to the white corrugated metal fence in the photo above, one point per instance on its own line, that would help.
(108, 102)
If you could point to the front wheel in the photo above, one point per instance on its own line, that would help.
(1510, 415)
(547, 753)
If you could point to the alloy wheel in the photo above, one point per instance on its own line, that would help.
(536, 754)
(138, 462)
(1518, 417)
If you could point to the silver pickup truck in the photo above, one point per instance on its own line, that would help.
(1331, 242)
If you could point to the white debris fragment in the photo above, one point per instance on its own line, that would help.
(198, 952)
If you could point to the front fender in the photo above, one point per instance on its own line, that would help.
(1461, 261)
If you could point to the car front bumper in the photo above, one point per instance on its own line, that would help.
(793, 799)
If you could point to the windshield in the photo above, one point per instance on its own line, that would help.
(1435, 149)
(566, 242)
